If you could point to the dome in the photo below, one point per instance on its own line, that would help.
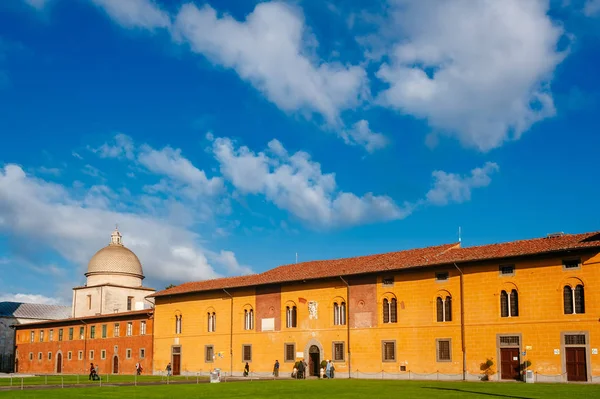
(115, 258)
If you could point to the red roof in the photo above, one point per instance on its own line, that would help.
(87, 318)
(421, 257)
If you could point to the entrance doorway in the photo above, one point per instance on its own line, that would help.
(58, 363)
(176, 360)
(510, 364)
(115, 368)
(314, 360)
(576, 363)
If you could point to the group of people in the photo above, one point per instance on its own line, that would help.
(328, 371)
(299, 370)
(93, 373)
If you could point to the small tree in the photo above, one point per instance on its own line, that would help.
(487, 369)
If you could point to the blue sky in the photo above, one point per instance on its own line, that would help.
(225, 137)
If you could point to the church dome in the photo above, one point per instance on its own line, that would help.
(115, 258)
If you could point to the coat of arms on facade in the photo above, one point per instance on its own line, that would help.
(312, 310)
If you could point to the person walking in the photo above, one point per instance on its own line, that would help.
(168, 369)
(276, 368)
(246, 369)
(92, 371)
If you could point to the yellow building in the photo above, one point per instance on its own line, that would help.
(431, 313)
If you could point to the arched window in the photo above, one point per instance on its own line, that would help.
(574, 299)
(509, 303)
(339, 313)
(290, 316)
(177, 324)
(443, 308)
(248, 319)
(212, 321)
(390, 310)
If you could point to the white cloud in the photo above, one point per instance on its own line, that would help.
(31, 298)
(37, 4)
(450, 187)
(271, 50)
(122, 148)
(296, 184)
(135, 13)
(591, 8)
(362, 135)
(477, 70)
(53, 216)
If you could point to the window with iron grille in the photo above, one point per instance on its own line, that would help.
(509, 304)
(390, 310)
(388, 349)
(570, 264)
(388, 281)
(507, 270)
(338, 351)
(444, 308)
(443, 350)
(246, 353)
(290, 352)
(574, 299)
(209, 352)
(574, 339)
(510, 340)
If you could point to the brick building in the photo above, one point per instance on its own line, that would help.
(111, 322)
(438, 312)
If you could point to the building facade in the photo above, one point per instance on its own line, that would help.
(111, 322)
(14, 313)
(442, 312)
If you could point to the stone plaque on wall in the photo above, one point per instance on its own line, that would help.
(362, 319)
(267, 324)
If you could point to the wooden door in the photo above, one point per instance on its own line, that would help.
(115, 365)
(510, 364)
(576, 364)
(59, 363)
(176, 364)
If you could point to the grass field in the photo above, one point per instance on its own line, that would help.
(58, 380)
(291, 389)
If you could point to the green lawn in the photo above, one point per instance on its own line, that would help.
(291, 389)
(83, 380)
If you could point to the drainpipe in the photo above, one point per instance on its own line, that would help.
(348, 325)
(462, 322)
(230, 334)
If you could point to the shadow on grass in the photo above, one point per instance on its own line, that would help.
(479, 393)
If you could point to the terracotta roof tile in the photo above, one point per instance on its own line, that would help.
(421, 257)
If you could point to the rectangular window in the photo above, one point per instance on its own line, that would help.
(507, 270)
(60, 334)
(51, 335)
(129, 328)
(388, 349)
(209, 353)
(41, 335)
(142, 328)
(570, 264)
(30, 356)
(49, 355)
(338, 351)
(92, 355)
(104, 330)
(81, 333)
(69, 355)
(103, 354)
(32, 338)
(89, 302)
(128, 353)
(39, 355)
(71, 334)
(387, 281)
(80, 355)
(510, 340)
(129, 303)
(574, 339)
(117, 327)
(142, 353)
(443, 350)
(290, 353)
(246, 353)
(92, 332)
(441, 276)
